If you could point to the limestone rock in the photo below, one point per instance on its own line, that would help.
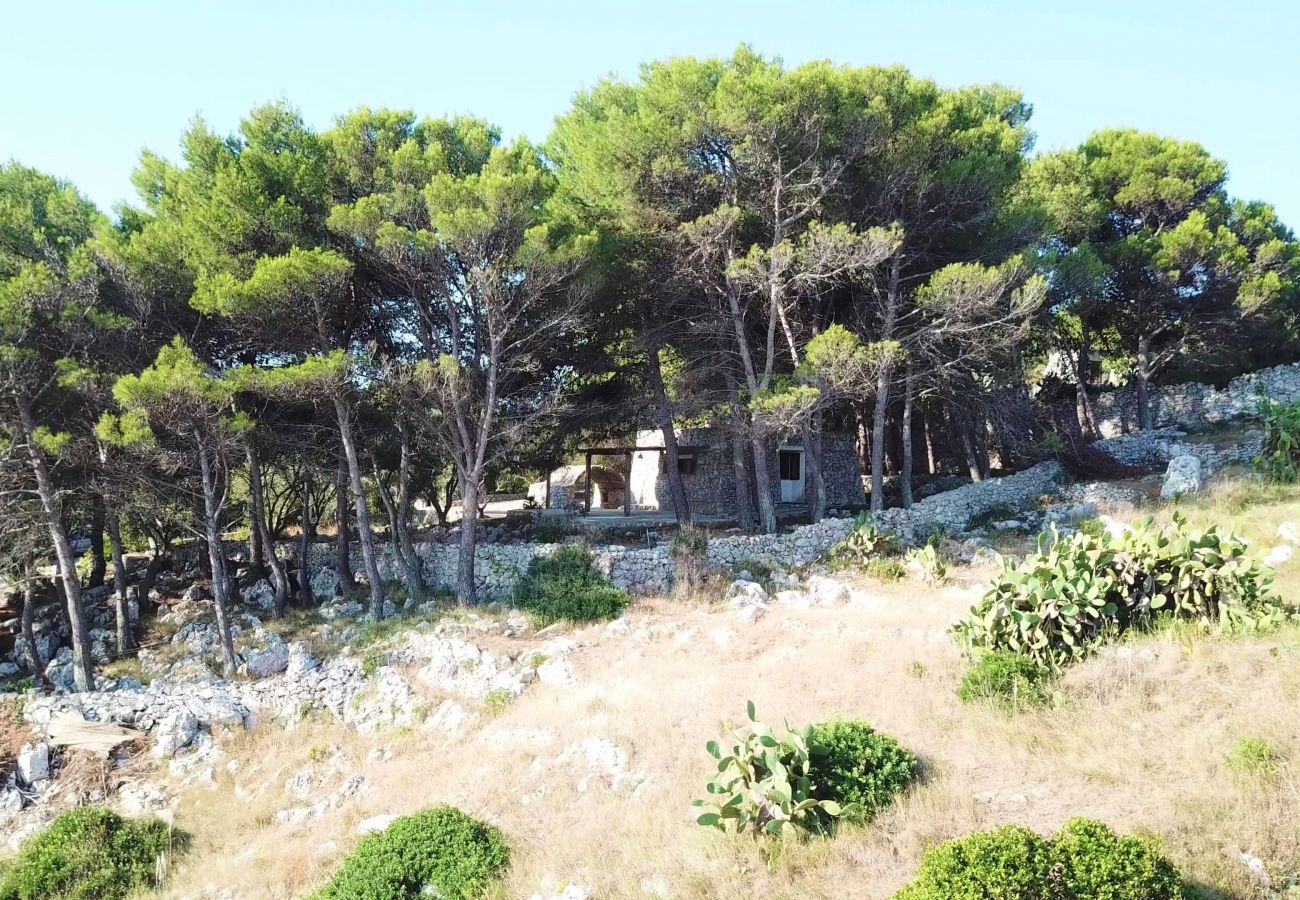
(1278, 555)
(1183, 476)
(34, 763)
(376, 823)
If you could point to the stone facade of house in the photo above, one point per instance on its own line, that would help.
(708, 472)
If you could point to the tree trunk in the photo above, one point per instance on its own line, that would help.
(905, 478)
(410, 575)
(763, 483)
(342, 547)
(150, 578)
(1145, 419)
(405, 501)
(927, 418)
(664, 419)
(256, 553)
(740, 469)
(878, 422)
(98, 565)
(367, 539)
(216, 557)
(467, 590)
(34, 661)
(811, 434)
(1083, 402)
(979, 439)
(83, 672)
(957, 429)
(305, 595)
(257, 518)
(121, 612)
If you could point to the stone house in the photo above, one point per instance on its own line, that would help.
(705, 461)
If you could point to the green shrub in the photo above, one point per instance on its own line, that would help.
(858, 767)
(689, 549)
(89, 853)
(885, 568)
(1280, 459)
(762, 783)
(1084, 861)
(1006, 679)
(1078, 589)
(757, 569)
(1255, 757)
(440, 852)
(1011, 863)
(566, 586)
(1091, 861)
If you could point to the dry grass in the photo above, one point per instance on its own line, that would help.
(1141, 740)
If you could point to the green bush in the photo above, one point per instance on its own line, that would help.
(1084, 861)
(440, 852)
(566, 586)
(1280, 459)
(1011, 863)
(1079, 589)
(757, 569)
(1254, 757)
(89, 853)
(858, 767)
(885, 568)
(689, 549)
(1094, 862)
(1006, 679)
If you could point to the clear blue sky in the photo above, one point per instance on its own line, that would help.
(87, 84)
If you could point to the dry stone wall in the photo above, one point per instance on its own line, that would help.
(1194, 405)
(650, 569)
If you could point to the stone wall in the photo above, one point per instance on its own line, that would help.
(650, 569)
(1193, 405)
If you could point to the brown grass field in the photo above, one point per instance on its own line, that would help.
(1141, 737)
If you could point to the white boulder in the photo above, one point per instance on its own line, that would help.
(34, 763)
(1183, 476)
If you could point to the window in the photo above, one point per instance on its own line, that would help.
(685, 464)
(791, 463)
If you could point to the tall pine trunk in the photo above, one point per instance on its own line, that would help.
(664, 419)
(905, 478)
(1145, 418)
(408, 568)
(405, 502)
(342, 546)
(121, 611)
(305, 595)
(83, 673)
(811, 435)
(1084, 411)
(257, 516)
(34, 661)
(216, 556)
(465, 575)
(878, 438)
(364, 535)
(98, 564)
(961, 437)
